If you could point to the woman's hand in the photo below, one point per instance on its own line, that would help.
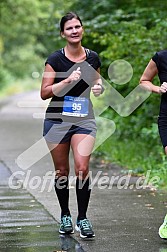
(49, 89)
(74, 76)
(163, 88)
(97, 89)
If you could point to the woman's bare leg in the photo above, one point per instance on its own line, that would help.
(60, 156)
(80, 144)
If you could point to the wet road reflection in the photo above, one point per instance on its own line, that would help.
(26, 226)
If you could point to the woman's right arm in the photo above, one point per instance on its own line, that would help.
(49, 88)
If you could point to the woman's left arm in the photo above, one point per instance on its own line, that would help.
(147, 77)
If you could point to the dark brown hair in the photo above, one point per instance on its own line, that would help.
(67, 17)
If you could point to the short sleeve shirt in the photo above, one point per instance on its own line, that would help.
(160, 58)
(63, 68)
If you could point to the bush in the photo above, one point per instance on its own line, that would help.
(5, 78)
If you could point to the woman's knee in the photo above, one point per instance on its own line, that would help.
(61, 167)
(81, 171)
(61, 172)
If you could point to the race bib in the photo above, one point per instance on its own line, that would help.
(75, 106)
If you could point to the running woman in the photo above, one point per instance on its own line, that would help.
(158, 66)
(70, 74)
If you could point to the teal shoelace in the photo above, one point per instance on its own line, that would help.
(85, 224)
(66, 220)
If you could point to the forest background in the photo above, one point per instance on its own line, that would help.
(132, 30)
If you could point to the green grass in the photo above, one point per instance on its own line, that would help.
(135, 155)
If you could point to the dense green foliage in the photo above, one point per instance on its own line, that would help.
(28, 35)
(132, 30)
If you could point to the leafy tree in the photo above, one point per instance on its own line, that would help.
(29, 34)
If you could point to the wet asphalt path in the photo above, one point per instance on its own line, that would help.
(25, 225)
(124, 220)
(23, 222)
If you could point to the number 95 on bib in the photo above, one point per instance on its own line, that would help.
(75, 106)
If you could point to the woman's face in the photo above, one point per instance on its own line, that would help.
(72, 31)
